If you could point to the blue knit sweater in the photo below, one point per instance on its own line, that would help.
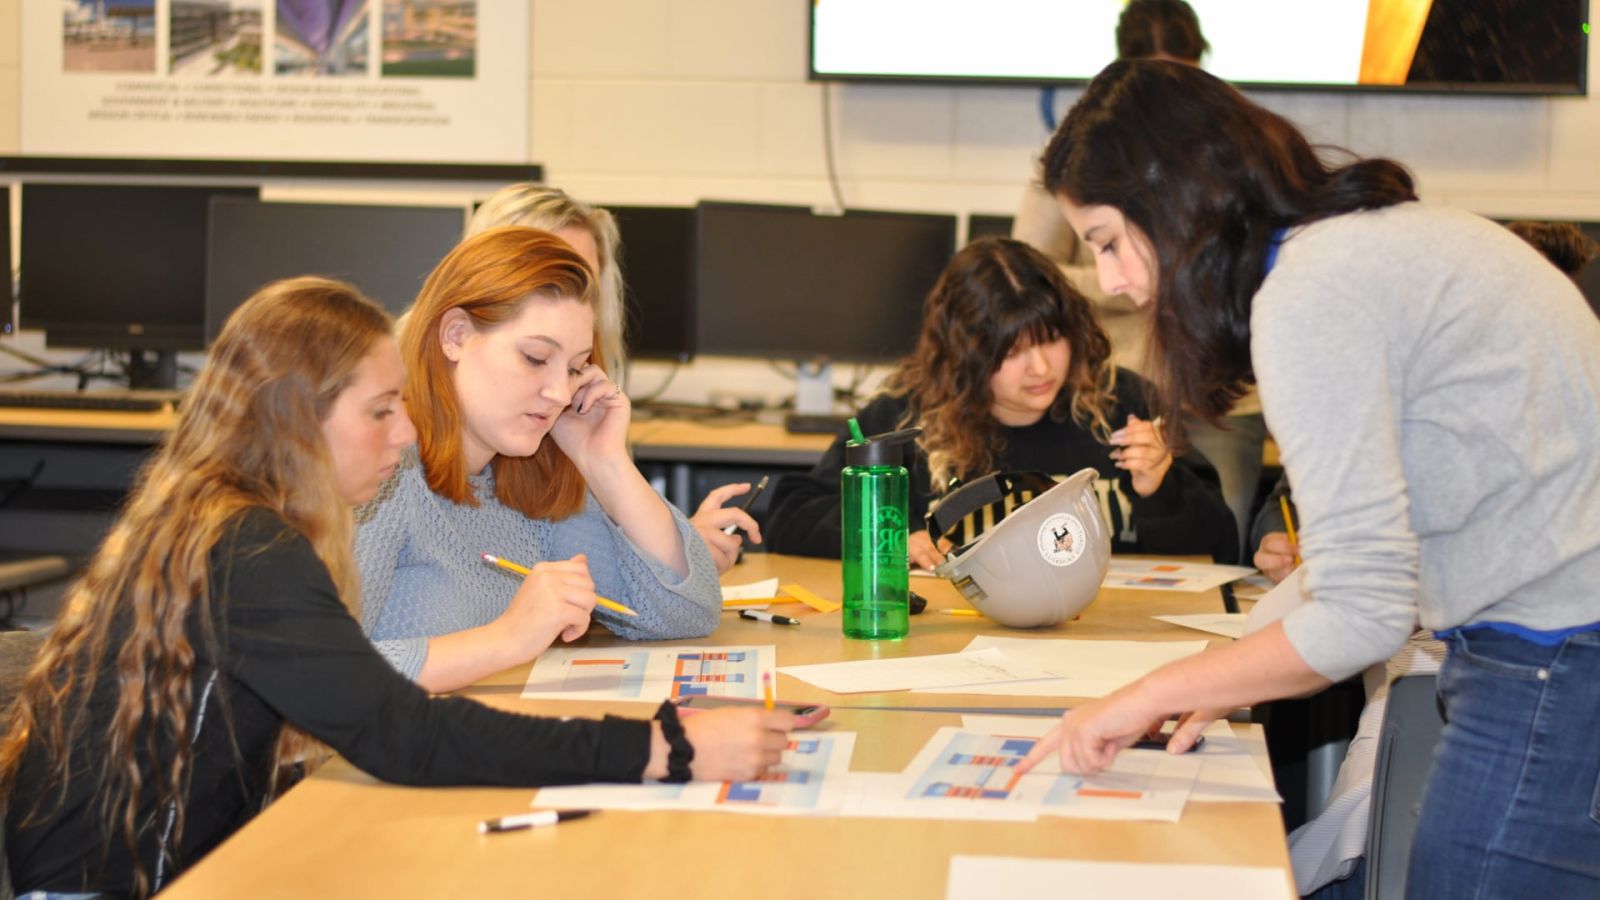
(422, 574)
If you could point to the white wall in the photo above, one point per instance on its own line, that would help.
(672, 101)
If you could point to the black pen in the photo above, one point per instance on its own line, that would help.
(531, 820)
(749, 501)
(760, 616)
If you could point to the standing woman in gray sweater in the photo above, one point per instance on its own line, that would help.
(1434, 386)
(522, 454)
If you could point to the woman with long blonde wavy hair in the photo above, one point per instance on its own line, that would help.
(1011, 372)
(212, 632)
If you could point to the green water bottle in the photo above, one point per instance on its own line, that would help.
(876, 489)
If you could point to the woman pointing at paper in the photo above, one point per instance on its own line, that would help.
(1389, 362)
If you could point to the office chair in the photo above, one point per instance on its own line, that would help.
(1411, 726)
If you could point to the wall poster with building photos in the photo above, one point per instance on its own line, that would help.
(440, 81)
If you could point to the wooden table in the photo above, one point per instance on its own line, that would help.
(341, 833)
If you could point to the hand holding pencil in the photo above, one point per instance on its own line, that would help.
(554, 600)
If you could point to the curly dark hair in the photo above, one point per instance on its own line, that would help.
(1563, 243)
(995, 294)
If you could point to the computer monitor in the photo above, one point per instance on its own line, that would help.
(781, 281)
(982, 225)
(657, 259)
(119, 267)
(385, 251)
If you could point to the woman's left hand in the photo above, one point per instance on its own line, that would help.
(1141, 450)
(595, 424)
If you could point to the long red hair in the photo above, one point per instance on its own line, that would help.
(489, 276)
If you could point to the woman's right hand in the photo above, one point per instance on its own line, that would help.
(924, 552)
(736, 744)
(555, 600)
(1275, 557)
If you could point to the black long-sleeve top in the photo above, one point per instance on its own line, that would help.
(287, 650)
(1185, 515)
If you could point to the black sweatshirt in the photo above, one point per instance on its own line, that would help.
(288, 651)
(1185, 515)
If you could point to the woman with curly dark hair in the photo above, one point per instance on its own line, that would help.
(1012, 372)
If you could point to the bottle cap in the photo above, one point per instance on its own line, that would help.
(880, 449)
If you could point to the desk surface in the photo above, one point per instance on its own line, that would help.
(348, 834)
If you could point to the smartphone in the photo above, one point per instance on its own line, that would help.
(1159, 742)
(749, 501)
(806, 714)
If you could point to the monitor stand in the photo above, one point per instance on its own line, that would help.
(158, 372)
(813, 401)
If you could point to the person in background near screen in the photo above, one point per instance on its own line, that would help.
(499, 351)
(592, 231)
(1012, 372)
(211, 640)
(1157, 29)
(1390, 361)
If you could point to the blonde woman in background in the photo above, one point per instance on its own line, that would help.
(592, 231)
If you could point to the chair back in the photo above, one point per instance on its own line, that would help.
(1411, 726)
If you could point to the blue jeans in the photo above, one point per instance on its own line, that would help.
(1512, 808)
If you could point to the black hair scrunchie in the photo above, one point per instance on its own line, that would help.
(680, 752)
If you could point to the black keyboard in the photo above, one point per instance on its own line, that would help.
(121, 401)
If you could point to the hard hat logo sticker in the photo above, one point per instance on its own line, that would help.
(1062, 539)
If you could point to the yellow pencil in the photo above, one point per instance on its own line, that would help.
(1288, 525)
(972, 613)
(510, 566)
(766, 689)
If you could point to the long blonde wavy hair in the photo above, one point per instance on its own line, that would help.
(552, 209)
(249, 436)
(995, 294)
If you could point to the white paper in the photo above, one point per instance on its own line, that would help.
(653, 674)
(1226, 624)
(1278, 602)
(811, 780)
(958, 768)
(1171, 575)
(881, 795)
(755, 594)
(975, 666)
(1077, 668)
(1229, 771)
(988, 877)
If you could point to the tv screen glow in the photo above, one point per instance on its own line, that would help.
(1487, 46)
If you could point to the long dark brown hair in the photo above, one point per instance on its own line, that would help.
(995, 294)
(249, 436)
(1208, 177)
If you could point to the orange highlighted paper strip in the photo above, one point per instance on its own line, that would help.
(812, 600)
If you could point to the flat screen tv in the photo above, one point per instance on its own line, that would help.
(1441, 46)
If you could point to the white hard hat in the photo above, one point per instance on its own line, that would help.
(1042, 563)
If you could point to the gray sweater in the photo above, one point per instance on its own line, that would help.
(422, 574)
(1434, 388)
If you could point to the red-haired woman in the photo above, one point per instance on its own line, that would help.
(522, 454)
